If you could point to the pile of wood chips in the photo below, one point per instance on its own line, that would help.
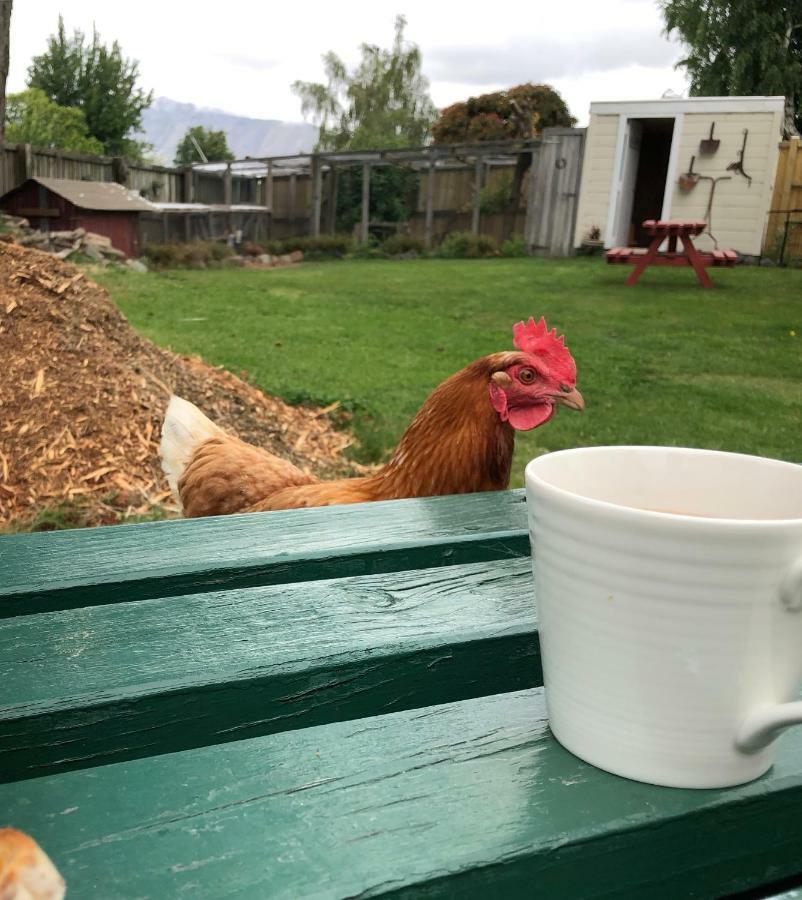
(82, 398)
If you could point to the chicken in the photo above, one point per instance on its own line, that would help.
(26, 872)
(460, 441)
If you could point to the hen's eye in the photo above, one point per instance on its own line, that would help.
(527, 376)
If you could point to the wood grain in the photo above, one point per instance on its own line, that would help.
(89, 686)
(70, 569)
(473, 799)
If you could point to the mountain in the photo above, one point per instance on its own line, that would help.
(166, 121)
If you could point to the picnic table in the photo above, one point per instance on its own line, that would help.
(672, 231)
(340, 702)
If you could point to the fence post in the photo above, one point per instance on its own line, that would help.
(477, 195)
(332, 223)
(365, 202)
(119, 170)
(317, 194)
(291, 194)
(429, 205)
(227, 186)
(189, 185)
(24, 164)
(269, 199)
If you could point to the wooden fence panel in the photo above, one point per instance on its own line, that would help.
(553, 192)
(77, 167)
(157, 183)
(783, 236)
(8, 168)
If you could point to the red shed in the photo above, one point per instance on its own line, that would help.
(60, 204)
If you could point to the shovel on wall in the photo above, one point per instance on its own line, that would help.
(709, 145)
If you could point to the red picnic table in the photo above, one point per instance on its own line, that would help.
(672, 230)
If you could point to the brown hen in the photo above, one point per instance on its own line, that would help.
(461, 440)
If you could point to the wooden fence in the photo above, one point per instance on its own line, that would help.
(447, 200)
(783, 239)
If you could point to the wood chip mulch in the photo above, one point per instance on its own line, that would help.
(82, 398)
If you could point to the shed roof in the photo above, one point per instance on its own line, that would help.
(98, 195)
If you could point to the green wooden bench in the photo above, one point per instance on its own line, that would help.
(332, 703)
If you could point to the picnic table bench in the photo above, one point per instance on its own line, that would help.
(341, 702)
(671, 231)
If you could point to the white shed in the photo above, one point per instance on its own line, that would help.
(637, 151)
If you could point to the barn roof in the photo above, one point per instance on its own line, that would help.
(99, 195)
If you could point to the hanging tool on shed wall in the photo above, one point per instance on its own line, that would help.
(709, 211)
(738, 165)
(709, 145)
(687, 181)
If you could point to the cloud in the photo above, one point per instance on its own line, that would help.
(244, 61)
(538, 58)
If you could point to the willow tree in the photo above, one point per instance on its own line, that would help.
(383, 102)
(738, 47)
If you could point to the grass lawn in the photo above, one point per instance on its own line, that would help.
(661, 363)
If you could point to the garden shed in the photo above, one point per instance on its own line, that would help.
(61, 204)
(704, 158)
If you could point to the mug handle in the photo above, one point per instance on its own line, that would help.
(764, 724)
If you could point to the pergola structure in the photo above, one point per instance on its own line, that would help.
(426, 160)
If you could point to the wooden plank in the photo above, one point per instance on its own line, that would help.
(364, 233)
(469, 800)
(62, 570)
(40, 212)
(236, 664)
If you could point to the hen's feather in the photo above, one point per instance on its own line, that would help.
(212, 473)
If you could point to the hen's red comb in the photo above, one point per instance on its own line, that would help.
(535, 338)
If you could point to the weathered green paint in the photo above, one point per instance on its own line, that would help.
(89, 686)
(40, 573)
(473, 799)
(251, 704)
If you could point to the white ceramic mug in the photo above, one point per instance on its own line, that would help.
(669, 592)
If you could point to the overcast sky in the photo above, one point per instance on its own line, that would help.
(242, 57)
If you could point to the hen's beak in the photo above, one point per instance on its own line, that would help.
(570, 398)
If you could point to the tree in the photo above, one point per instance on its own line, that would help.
(5, 30)
(519, 112)
(213, 144)
(742, 47)
(383, 102)
(99, 81)
(33, 118)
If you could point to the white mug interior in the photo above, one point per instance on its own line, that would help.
(677, 481)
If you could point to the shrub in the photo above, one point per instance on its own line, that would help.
(195, 255)
(397, 244)
(464, 245)
(248, 248)
(514, 247)
(367, 251)
(325, 246)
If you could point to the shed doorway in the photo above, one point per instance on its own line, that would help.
(642, 178)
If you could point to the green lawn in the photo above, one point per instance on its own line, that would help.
(662, 363)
